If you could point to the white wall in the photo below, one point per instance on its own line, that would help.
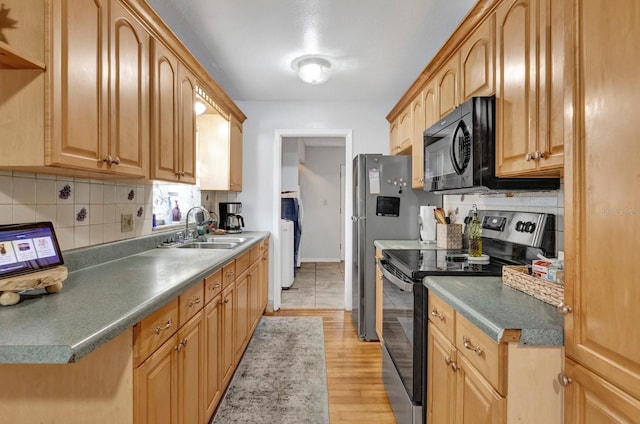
(290, 160)
(370, 134)
(321, 191)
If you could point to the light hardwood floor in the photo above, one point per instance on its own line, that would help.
(354, 370)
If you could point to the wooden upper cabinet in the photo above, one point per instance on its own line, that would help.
(401, 140)
(477, 61)
(186, 125)
(129, 135)
(79, 75)
(602, 207)
(529, 88)
(100, 89)
(235, 151)
(173, 128)
(219, 150)
(417, 150)
(448, 86)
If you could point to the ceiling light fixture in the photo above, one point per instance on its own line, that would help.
(200, 107)
(312, 69)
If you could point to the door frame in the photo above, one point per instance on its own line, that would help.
(277, 183)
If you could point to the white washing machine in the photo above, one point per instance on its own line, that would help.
(286, 255)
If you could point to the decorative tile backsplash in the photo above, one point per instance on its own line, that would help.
(84, 212)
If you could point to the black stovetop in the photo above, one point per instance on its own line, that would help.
(418, 264)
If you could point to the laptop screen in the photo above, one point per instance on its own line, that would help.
(26, 248)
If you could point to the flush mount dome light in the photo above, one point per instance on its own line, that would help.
(312, 69)
(200, 107)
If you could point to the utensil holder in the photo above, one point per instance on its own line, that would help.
(449, 236)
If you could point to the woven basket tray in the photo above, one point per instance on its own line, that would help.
(518, 277)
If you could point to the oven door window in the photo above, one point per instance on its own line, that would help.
(397, 329)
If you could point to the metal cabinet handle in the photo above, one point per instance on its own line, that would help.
(108, 159)
(159, 329)
(538, 155)
(448, 360)
(194, 301)
(467, 344)
(435, 313)
(116, 160)
(225, 301)
(564, 380)
(528, 157)
(563, 309)
(214, 286)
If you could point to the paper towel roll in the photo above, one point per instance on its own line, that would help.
(427, 224)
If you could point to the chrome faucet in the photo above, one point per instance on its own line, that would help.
(187, 234)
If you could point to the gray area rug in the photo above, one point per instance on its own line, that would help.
(282, 377)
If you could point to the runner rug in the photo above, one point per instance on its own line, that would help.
(282, 376)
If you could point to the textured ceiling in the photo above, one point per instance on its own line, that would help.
(379, 46)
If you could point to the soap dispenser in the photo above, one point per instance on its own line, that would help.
(475, 234)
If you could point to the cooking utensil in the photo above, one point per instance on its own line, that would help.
(440, 216)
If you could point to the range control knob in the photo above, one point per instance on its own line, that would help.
(532, 227)
(519, 226)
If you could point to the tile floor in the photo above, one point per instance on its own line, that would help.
(316, 285)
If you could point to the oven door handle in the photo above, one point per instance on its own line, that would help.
(402, 285)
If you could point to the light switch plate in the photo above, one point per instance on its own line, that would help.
(126, 222)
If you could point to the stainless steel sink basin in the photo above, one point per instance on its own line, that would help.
(208, 245)
(225, 239)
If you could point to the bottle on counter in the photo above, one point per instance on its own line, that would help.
(475, 235)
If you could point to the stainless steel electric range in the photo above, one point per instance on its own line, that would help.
(509, 238)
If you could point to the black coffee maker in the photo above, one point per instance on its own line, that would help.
(230, 219)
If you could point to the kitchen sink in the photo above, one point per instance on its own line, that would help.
(225, 239)
(208, 245)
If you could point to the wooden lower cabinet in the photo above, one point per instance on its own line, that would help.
(497, 383)
(591, 399)
(214, 345)
(241, 316)
(168, 385)
(478, 402)
(378, 296)
(263, 270)
(227, 362)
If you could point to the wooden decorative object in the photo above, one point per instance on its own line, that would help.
(49, 279)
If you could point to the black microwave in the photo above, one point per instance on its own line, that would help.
(459, 154)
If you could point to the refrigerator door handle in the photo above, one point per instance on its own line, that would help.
(358, 218)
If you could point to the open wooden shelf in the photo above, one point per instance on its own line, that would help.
(10, 58)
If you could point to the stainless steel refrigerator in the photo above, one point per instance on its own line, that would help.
(385, 207)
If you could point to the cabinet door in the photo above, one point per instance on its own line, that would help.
(405, 130)
(227, 353)
(241, 316)
(264, 278)
(254, 295)
(191, 375)
(79, 79)
(516, 95)
(155, 382)
(441, 378)
(476, 401)
(551, 97)
(164, 128)
(601, 182)
(235, 152)
(394, 136)
(213, 353)
(129, 132)
(379, 295)
(477, 61)
(591, 399)
(186, 126)
(447, 86)
(417, 150)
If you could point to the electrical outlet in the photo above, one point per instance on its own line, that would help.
(126, 222)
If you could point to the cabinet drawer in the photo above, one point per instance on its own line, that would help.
(242, 263)
(228, 274)
(190, 302)
(441, 315)
(212, 286)
(154, 330)
(486, 355)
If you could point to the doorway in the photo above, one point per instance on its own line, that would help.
(346, 213)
